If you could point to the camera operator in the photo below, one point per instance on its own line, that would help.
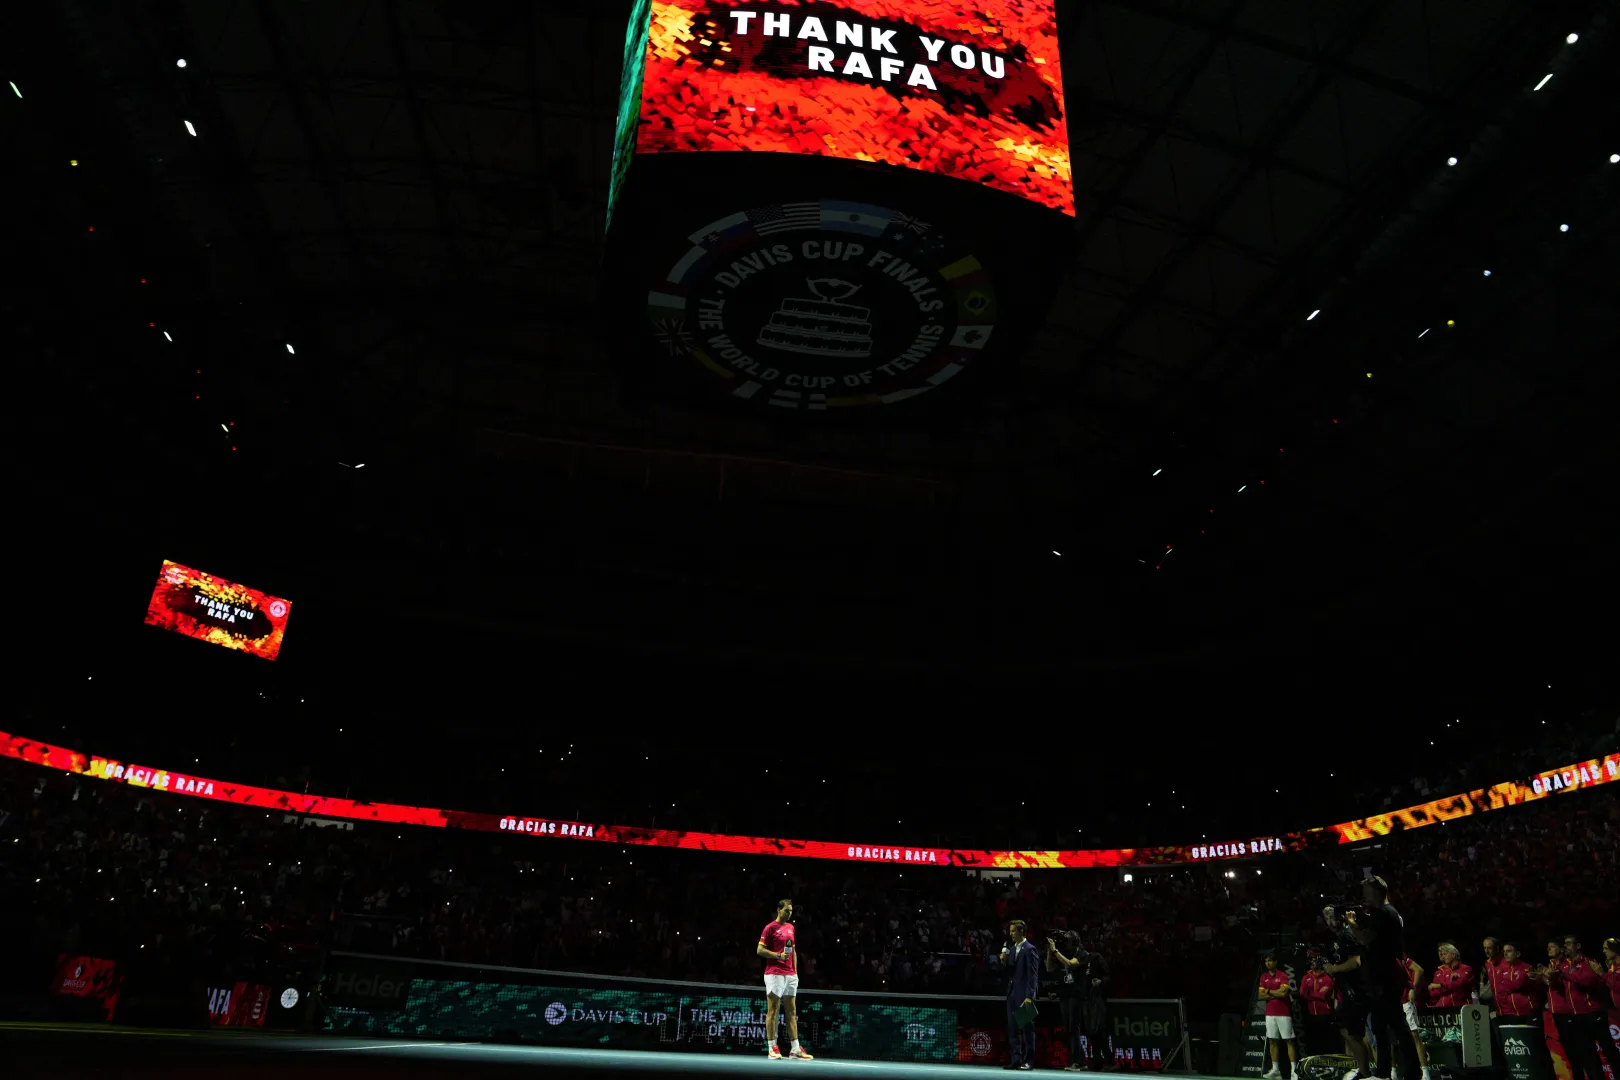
(1350, 977)
(1387, 979)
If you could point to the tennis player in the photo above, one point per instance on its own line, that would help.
(781, 981)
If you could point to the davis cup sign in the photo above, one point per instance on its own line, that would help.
(827, 304)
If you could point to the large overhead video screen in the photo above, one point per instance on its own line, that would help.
(972, 91)
(212, 609)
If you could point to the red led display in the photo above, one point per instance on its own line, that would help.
(212, 609)
(1577, 777)
(967, 91)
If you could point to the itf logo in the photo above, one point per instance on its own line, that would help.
(277, 608)
(556, 1013)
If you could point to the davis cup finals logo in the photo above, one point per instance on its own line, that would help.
(556, 1013)
(817, 305)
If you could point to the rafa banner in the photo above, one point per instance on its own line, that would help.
(221, 612)
(824, 207)
(1580, 776)
(970, 92)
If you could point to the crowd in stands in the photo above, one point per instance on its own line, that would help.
(179, 887)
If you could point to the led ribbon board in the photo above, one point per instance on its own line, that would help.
(971, 91)
(1579, 776)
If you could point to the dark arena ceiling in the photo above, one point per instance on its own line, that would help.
(380, 248)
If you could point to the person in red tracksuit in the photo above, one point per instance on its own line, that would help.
(1611, 978)
(1574, 996)
(1453, 980)
(1517, 997)
(1316, 989)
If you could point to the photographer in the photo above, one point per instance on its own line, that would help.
(1082, 994)
(1062, 960)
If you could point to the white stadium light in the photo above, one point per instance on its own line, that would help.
(1572, 39)
(1451, 161)
(180, 63)
(1544, 80)
(189, 129)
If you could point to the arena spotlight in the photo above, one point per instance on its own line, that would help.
(180, 63)
(1313, 314)
(1614, 159)
(1544, 80)
(1563, 228)
(1451, 161)
(189, 129)
(1572, 39)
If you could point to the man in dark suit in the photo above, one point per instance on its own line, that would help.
(1024, 963)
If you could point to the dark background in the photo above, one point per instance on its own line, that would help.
(945, 618)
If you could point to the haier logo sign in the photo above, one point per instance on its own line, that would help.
(556, 1013)
(371, 989)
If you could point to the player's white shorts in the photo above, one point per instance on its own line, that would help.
(1279, 1027)
(1410, 1008)
(783, 986)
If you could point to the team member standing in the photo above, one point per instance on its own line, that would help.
(1574, 997)
(1385, 941)
(1517, 996)
(776, 944)
(1316, 989)
(1025, 965)
(1278, 995)
(1453, 980)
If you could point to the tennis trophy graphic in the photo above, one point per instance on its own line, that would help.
(823, 326)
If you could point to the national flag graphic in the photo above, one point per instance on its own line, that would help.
(976, 301)
(776, 219)
(855, 217)
(971, 337)
(916, 225)
(673, 335)
(714, 231)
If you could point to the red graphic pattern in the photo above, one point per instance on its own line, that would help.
(221, 612)
(1577, 777)
(709, 88)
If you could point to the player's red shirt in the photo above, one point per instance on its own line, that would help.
(1276, 980)
(1316, 987)
(1411, 993)
(776, 937)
